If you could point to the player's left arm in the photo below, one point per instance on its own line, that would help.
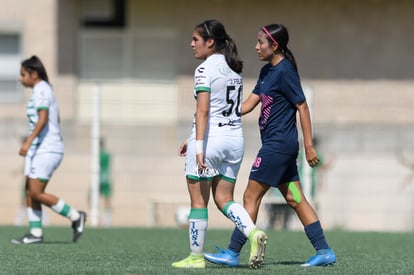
(305, 122)
(203, 108)
(43, 117)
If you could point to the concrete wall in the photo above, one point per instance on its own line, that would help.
(332, 40)
(340, 39)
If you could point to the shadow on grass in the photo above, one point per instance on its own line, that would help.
(287, 263)
(57, 242)
(44, 243)
(246, 266)
(218, 266)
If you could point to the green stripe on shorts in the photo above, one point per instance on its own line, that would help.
(228, 179)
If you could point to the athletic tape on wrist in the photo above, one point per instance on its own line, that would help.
(199, 146)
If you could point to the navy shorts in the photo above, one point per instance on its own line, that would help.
(274, 168)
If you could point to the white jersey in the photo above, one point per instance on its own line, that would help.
(225, 88)
(50, 138)
(224, 142)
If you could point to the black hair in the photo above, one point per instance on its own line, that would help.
(34, 64)
(223, 42)
(279, 33)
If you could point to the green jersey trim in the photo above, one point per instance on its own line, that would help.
(202, 89)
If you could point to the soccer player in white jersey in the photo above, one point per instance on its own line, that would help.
(215, 149)
(43, 152)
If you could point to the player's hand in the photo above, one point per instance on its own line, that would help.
(312, 157)
(25, 147)
(200, 162)
(23, 151)
(182, 150)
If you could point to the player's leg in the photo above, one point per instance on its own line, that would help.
(199, 191)
(267, 170)
(43, 166)
(230, 153)
(222, 195)
(223, 190)
(197, 223)
(105, 192)
(244, 219)
(59, 206)
(294, 196)
(34, 215)
(252, 198)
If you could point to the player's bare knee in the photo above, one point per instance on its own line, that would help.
(291, 202)
(34, 194)
(249, 199)
(221, 200)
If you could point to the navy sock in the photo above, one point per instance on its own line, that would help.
(315, 235)
(238, 239)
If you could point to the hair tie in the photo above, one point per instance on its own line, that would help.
(268, 34)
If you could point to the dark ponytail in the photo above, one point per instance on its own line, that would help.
(223, 42)
(279, 33)
(33, 64)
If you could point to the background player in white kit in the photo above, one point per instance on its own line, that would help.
(43, 151)
(215, 149)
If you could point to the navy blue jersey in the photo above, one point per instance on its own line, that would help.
(279, 90)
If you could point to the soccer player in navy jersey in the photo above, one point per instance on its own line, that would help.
(279, 91)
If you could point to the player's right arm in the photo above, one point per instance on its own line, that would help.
(182, 150)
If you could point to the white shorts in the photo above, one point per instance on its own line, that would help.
(41, 166)
(223, 155)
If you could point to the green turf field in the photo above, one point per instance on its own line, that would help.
(151, 251)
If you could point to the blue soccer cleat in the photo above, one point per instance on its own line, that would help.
(322, 257)
(224, 257)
